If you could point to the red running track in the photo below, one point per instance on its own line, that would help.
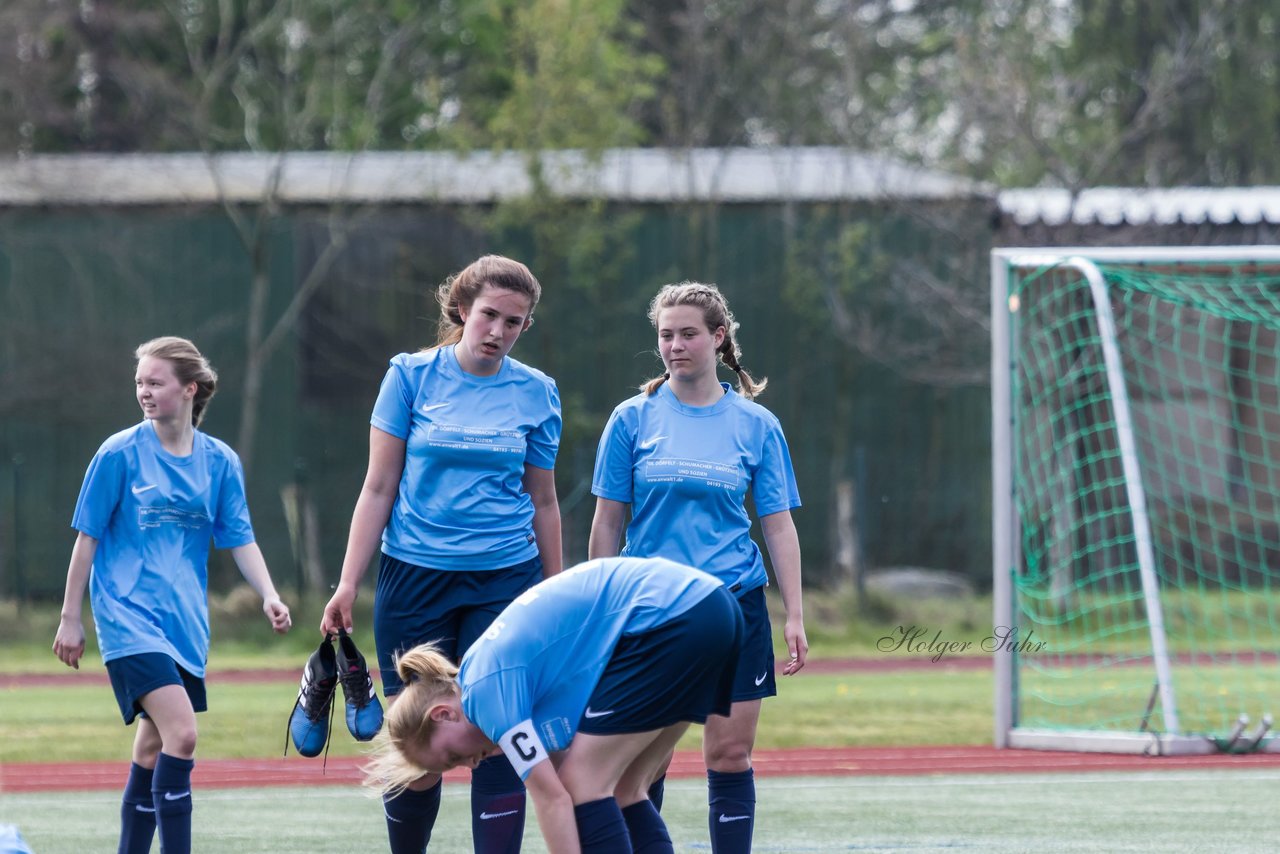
(852, 761)
(863, 761)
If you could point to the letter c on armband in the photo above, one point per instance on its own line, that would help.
(522, 747)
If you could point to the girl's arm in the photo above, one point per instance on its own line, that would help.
(606, 528)
(540, 484)
(68, 643)
(254, 569)
(554, 807)
(783, 543)
(373, 509)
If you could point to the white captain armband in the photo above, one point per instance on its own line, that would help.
(521, 745)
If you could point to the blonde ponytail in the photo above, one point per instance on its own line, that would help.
(429, 677)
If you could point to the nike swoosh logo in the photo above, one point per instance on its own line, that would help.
(427, 407)
(649, 443)
(141, 808)
(725, 819)
(760, 680)
(590, 714)
(485, 816)
(138, 490)
(170, 796)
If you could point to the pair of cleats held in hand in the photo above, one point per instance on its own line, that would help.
(327, 668)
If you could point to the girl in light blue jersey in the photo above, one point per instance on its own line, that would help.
(461, 494)
(153, 498)
(600, 669)
(683, 455)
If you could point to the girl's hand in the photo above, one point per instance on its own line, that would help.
(797, 646)
(278, 613)
(337, 614)
(68, 643)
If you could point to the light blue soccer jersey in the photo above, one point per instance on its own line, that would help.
(527, 681)
(153, 515)
(467, 438)
(686, 472)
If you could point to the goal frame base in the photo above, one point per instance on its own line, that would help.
(1133, 743)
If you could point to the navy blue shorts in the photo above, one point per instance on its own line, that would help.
(135, 676)
(414, 605)
(755, 678)
(680, 671)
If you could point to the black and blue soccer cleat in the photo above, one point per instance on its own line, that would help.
(313, 710)
(364, 710)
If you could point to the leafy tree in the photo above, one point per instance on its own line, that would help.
(1081, 93)
(1020, 92)
(576, 78)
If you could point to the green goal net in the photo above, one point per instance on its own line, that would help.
(1136, 401)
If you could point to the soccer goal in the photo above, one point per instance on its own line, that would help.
(1136, 484)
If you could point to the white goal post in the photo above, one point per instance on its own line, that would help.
(1135, 460)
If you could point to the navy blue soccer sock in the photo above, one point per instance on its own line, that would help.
(657, 790)
(497, 807)
(171, 796)
(410, 817)
(601, 829)
(137, 812)
(732, 816)
(648, 833)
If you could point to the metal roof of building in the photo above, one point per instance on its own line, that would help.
(644, 175)
(637, 175)
(1114, 206)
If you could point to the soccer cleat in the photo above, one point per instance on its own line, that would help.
(364, 710)
(313, 710)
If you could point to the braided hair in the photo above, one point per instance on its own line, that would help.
(716, 314)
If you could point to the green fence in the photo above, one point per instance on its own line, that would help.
(80, 288)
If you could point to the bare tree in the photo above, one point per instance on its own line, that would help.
(301, 76)
(82, 75)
